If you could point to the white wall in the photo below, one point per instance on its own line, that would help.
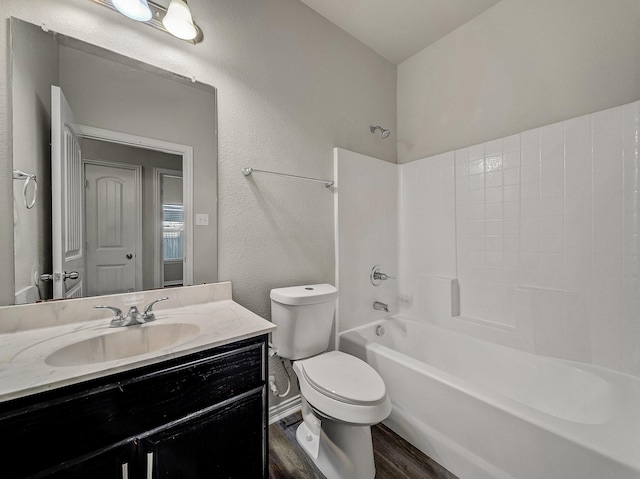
(366, 235)
(546, 235)
(519, 65)
(291, 86)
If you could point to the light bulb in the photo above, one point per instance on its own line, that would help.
(135, 9)
(179, 22)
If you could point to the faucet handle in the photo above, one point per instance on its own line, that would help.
(382, 276)
(377, 276)
(117, 319)
(148, 315)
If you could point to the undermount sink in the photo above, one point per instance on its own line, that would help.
(125, 343)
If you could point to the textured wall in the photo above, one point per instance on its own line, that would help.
(291, 87)
(519, 65)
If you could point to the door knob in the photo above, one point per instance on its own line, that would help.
(129, 256)
(72, 275)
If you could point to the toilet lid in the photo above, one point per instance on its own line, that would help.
(344, 377)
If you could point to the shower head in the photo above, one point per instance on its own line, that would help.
(383, 133)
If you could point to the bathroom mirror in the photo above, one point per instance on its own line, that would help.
(145, 168)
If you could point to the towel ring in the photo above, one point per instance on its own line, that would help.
(27, 178)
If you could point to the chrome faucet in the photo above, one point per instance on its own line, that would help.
(133, 316)
(379, 306)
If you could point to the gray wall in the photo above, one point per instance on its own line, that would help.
(291, 86)
(172, 190)
(34, 71)
(519, 65)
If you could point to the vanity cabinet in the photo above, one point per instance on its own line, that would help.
(200, 416)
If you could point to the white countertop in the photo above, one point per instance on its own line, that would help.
(23, 353)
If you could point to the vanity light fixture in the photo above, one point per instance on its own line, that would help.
(179, 22)
(175, 20)
(135, 9)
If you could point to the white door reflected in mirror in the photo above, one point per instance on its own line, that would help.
(113, 228)
(66, 191)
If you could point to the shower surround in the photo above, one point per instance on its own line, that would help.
(530, 242)
(540, 230)
(546, 236)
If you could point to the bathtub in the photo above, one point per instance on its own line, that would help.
(486, 411)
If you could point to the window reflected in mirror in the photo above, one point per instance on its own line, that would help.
(172, 230)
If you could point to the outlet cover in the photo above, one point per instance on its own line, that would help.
(202, 219)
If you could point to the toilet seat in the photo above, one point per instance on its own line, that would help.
(344, 378)
(343, 387)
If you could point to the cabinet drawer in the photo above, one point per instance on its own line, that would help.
(73, 422)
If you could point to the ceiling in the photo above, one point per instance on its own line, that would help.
(398, 29)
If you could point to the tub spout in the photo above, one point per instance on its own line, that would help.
(379, 306)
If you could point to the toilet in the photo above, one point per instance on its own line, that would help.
(342, 396)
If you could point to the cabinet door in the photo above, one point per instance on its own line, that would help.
(114, 463)
(76, 421)
(221, 442)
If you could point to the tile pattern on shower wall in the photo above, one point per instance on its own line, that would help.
(543, 213)
(488, 205)
(547, 237)
(427, 239)
(366, 235)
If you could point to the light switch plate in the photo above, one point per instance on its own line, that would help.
(202, 219)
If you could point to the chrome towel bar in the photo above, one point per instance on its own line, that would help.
(250, 171)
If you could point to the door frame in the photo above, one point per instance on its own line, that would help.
(184, 151)
(137, 169)
(158, 261)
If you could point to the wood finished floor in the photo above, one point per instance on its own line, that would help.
(395, 458)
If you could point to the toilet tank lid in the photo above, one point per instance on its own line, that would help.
(307, 294)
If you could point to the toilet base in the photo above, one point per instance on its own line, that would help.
(339, 450)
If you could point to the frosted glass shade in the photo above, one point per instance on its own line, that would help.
(135, 9)
(179, 22)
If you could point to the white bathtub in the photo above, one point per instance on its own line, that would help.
(485, 411)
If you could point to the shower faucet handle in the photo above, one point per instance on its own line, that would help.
(377, 276)
(382, 276)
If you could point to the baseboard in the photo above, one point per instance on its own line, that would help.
(284, 409)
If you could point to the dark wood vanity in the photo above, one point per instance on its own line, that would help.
(202, 415)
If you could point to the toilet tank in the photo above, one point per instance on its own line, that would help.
(304, 316)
